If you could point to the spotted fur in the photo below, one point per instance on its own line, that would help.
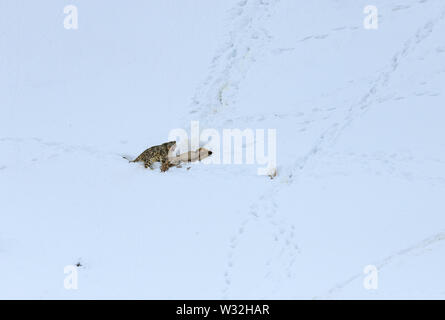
(157, 154)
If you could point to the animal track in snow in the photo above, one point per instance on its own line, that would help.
(416, 248)
(244, 44)
(331, 134)
(400, 165)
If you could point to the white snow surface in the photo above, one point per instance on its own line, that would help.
(359, 116)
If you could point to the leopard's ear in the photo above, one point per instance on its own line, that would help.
(171, 146)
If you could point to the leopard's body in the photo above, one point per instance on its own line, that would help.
(158, 153)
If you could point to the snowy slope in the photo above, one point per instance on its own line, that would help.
(360, 149)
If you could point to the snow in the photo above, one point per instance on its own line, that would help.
(360, 149)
